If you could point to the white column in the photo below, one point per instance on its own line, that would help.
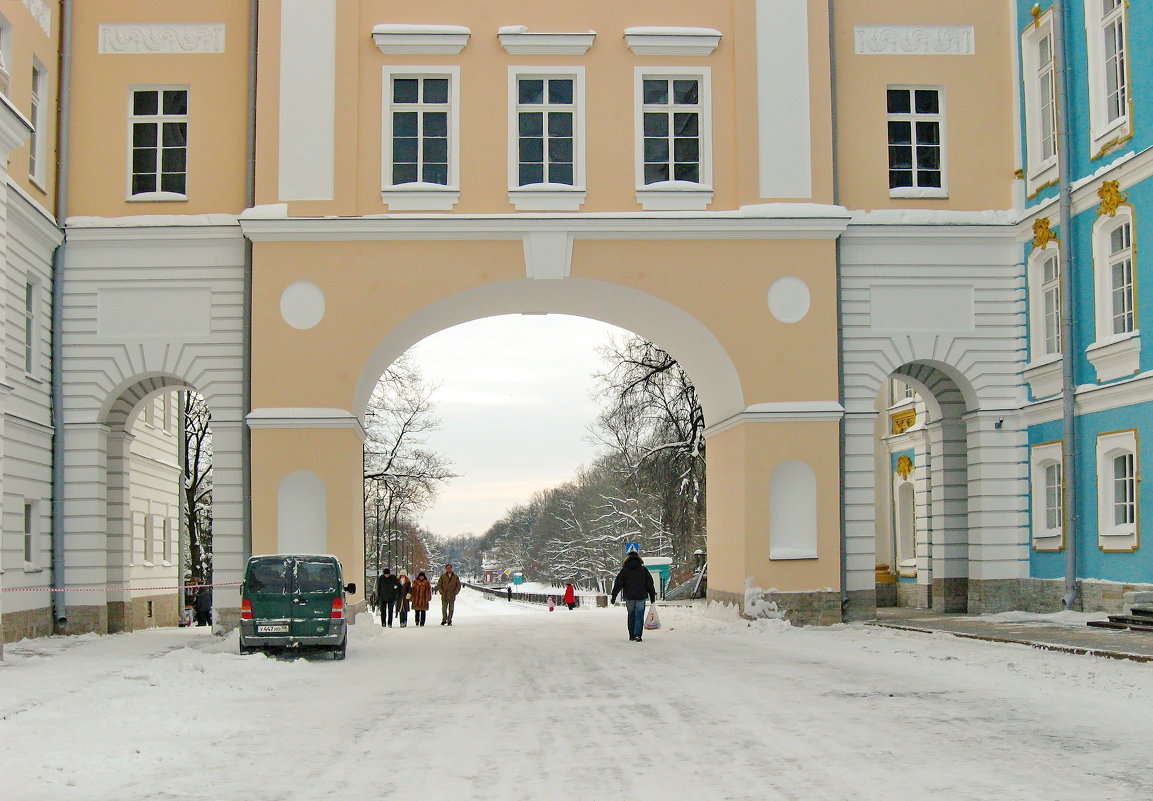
(998, 490)
(229, 547)
(860, 499)
(119, 517)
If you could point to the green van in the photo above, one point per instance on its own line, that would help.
(294, 601)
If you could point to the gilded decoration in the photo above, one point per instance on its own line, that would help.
(1036, 12)
(1019, 174)
(904, 467)
(903, 421)
(1111, 197)
(1042, 233)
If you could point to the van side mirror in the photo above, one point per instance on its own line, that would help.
(350, 588)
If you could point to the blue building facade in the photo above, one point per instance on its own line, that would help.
(1101, 174)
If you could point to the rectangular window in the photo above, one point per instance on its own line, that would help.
(37, 117)
(915, 126)
(1047, 489)
(420, 110)
(1038, 78)
(167, 548)
(1051, 304)
(1113, 28)
(1053, 492)
(1047, 98)
(29, 534)
(30, 326)
(1124, 490)
(5, 55)
(149, 538)
(1121, 278)
(158, 125)
(1118, 485)
(546, 130)
(672, 130)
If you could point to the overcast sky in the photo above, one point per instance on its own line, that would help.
(515, 401)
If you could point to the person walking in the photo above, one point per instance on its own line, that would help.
(635, 583)
(203, 605)
(448, 585)
(570, 596)
(403, 598)
(421, 598)
(387, 589)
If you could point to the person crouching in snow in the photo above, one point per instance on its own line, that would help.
(635, 583)
(570, 596)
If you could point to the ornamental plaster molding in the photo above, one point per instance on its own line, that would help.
(519, 40)
(781, 412)
(663, 41)
(176, 37)
(404, 38)
(42, 13)
(915, 40)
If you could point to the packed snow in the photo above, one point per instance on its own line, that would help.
(514, 701)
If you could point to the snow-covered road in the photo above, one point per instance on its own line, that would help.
(517, 702)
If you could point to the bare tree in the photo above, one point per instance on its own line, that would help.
(197, 467)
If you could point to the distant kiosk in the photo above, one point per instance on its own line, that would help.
(659, 566)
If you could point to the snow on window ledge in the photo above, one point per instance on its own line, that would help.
(918, 192)
(663, 41)
(791, 553)
(547, 197)
(157, 197)
(675, 196)
(1044, 375)
(443, 39)
(420, 197)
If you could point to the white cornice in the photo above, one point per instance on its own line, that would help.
(783, 412)
(826, 223)
(1090, 399)
(421, 39)
(1127, 170)
(662, 41)
(519, 40)
(294, 417)
(14, 127)
(33, 217)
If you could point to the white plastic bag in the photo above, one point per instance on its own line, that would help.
(652, 619)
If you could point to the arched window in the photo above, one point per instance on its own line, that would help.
(1118, 479)
(1047, 476)
(1116, 351)
(1044, 279)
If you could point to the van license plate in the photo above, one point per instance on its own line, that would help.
(281, 628)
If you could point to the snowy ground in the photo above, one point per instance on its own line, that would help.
(516, 702)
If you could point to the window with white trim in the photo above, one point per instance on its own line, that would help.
(31, 555)
(546, 127)
(1118, 482)
(1047, 476)
(158, 129)
(1106, 24)
(31, 327)
(5, 54)
(39, 119)
(1045, 293)
(169, 525)
(674, 131)
(1116, 351)
(916, 124)
(421, 138)
(1038, 73)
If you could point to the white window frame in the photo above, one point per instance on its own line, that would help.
(546, 196)
(168, 525)
(159, 195)
(419, 196)
(32, 327)
(1113, 536)
(1048, 523)
(38, 141)
(913, 117)
(1113, 355)
(675, 195)
(30, 529)
(5, 54)
(1039, 172)
(1043, 372)
(1106, 133)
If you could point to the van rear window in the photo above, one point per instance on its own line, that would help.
(268, 575)
(317, 577)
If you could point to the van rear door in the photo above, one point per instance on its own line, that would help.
(268, 587)
(318, 584)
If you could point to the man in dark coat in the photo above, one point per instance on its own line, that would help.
(387, 593)
(635, 583)
(203, 605)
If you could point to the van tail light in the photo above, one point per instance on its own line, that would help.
(246, 609)
(337, 609)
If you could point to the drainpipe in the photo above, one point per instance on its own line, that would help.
(1068, 388)
(844, 566)
(249, 202)
(63, 128)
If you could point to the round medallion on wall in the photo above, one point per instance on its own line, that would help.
(789, 299)
(302, 305)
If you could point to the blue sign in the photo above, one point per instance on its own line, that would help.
(635, 547)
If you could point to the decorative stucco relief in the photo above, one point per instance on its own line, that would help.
(42, 13)
(163, 38)
(915, 40)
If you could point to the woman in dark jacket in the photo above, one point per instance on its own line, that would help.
(421, 597)
(635, 583)
(404, 599)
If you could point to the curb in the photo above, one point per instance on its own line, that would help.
(1044, 646)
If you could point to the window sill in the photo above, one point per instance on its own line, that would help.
(31, 568)
(1116, 357)
(918, 192)
(39, 183)
(420, 197)
(146, 563)
(547, 197)
(165, 563)
(1043, 175)
(157, 197)
(675, 196)
(1117, 541)
(790, 554)
(518, 40)
(1104, 142)
(1044, 375)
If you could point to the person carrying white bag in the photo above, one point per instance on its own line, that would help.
(635, 584)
